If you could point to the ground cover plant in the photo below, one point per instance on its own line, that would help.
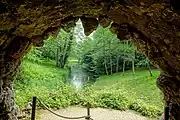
(118, 91)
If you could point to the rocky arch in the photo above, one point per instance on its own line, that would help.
(153, 25)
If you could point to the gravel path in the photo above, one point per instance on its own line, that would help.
(96, 113)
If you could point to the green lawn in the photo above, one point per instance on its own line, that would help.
(42, 73)
(37, 78)
(140, 86)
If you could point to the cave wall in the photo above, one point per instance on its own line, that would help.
(153, 26)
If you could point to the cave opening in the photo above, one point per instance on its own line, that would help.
(153, 27)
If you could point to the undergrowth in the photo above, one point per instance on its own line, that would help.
(47, 82)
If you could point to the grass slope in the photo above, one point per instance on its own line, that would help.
(37, 78)
(141, 85)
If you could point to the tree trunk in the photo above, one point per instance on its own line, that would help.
(171, 90)
(110, 58)
(57, 57)
(63, 50)
(150, 72)
(117, 64)
(124, 64)
(105, 65)
(133, 59)
(133, 67)
(104, 54)
(111, 64)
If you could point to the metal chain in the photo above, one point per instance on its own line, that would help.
(81, 117)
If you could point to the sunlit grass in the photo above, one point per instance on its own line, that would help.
(140, 86)
(38, 74)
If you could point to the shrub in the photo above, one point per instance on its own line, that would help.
(145, 110)
(67, 96)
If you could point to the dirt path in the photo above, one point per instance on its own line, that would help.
(96, 113)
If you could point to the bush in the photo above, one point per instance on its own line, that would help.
(52, 98)
(145, 110)
(141, 60)
(89, 66)
(65, 96)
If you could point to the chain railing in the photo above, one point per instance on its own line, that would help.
(87, 117)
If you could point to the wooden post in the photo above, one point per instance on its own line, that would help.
(33, 109)
(166, 113)
(88, 112)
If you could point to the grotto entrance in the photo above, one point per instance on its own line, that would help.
(152, 25)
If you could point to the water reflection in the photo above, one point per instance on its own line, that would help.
(76, 82)
(77, 76)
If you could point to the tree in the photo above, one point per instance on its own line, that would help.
(108, 51)
(142, 61)
(56, 48)
(109, 54)
(63, 48)
(129, 55)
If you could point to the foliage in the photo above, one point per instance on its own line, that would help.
(89, 66)
(109, 55)
(64, 48)
(141, 60)
(41, 80)
(117, 98)
(99, 55)
(47, 82)
(141, 84)
(55, 48)
(34, 55)
(107, 52)
(49, 48)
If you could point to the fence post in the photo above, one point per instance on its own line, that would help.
(166, 113)
(88, 111)
(33, 108)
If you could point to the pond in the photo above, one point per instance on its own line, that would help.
(78, 76)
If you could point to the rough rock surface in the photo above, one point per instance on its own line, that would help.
(153, 25)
